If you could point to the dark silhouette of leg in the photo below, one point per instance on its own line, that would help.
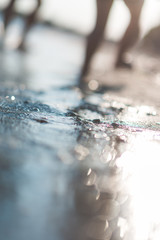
(29, 22)
(132, 33)
(94, 39)
(8, 13)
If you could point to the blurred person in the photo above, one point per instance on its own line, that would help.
(128, 40)
(8, 13)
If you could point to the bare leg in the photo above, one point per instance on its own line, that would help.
(8, 12)
(29, 22)
(132, 33)
(94, 39)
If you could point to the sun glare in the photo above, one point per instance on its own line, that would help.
(141, 167)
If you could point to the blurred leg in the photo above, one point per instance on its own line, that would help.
(8, 12)
(29, 22)
(94, 39)
(132, 33)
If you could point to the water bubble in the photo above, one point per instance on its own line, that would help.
(93, 85)
(13, 98)
(91, 178)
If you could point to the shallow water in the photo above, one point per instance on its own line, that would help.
(72, 166)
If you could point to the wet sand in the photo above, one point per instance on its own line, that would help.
(77, 165)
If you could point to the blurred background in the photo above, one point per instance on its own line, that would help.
(80, 15)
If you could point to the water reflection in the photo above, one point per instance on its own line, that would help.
(118, 192)
(142, 166)
(100, 179)
(74, 166)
